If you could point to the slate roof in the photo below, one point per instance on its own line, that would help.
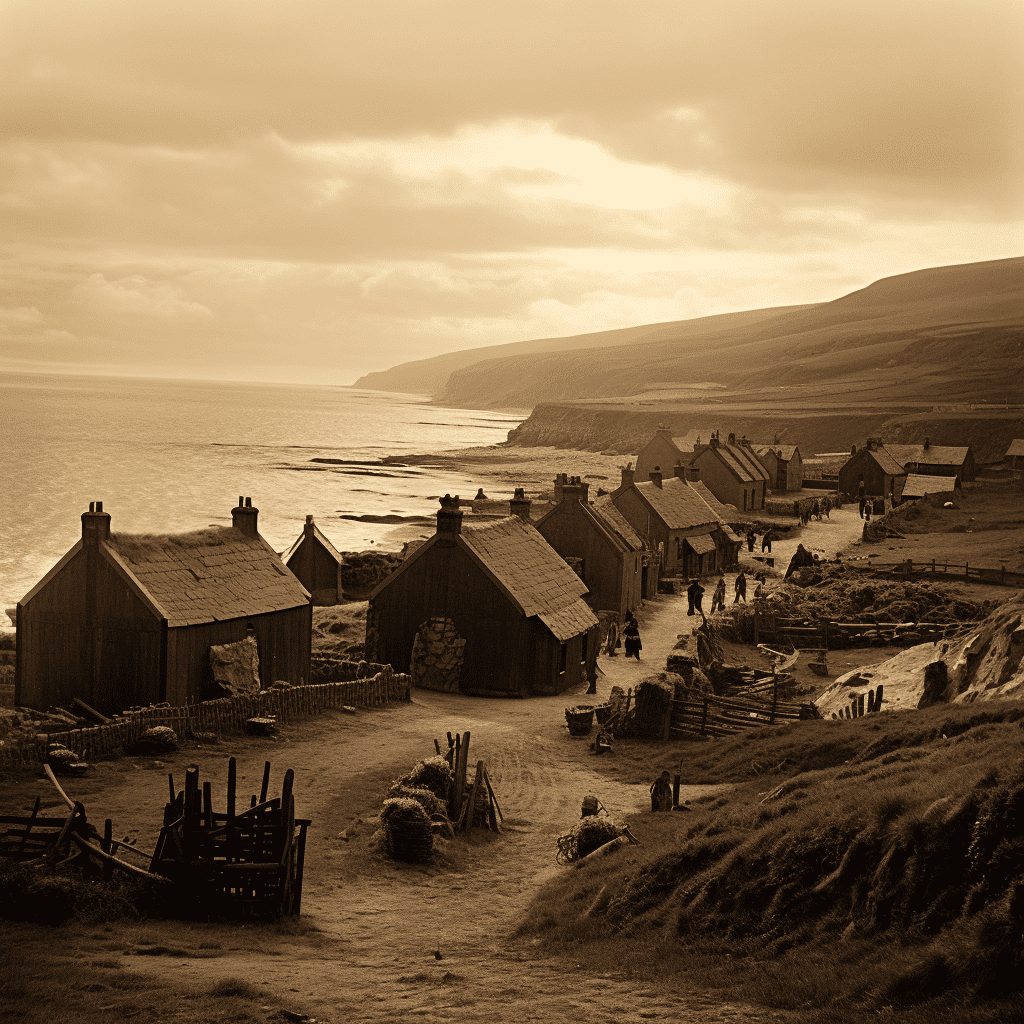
(933, 455)
(210, 575)
(320, 536)
(702, 544)
(532, 573)
(1016, 448)
(783, 451)
(739, 460)
(677, 504)
(605, 508)
(920, 484)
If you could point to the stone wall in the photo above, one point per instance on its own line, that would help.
(437, 656)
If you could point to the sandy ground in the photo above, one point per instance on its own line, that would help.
(365, 946)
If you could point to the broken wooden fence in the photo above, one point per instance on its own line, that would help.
(470, 803)
(858, 707)
(727, 716)
(222, 716)
(829, 634)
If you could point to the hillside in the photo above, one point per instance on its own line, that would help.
(430, 376)
(943, 335)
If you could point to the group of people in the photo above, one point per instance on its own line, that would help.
(818, 509)
(766, 540)
(695, 593)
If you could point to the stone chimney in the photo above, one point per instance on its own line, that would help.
(520, 504)
(628, 474)
(245, 517)
(687, 473)
(449, 519)
(308, 528)
(732, 439)
(584, 491)
(853, 450)
(560, 481)
(664, 431)
(656, 476)
(714, 439)
(95, 524)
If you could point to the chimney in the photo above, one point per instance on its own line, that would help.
(95, 524)
(520, 503)
(245, 517)
(560, 481)
(656, 476)
(732, 439)
(308, 528)
(927, 443)
(853, 450)
(449, 519)
(627, 475)
(584, 491)
(692, 473)
(714, 439)
(665, 431)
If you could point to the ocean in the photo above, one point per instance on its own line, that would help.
(168, 456)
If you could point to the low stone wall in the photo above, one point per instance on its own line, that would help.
(226, 715)
(325, 668)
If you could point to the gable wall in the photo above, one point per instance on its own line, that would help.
(659, 451)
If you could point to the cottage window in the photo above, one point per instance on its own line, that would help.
(563, 658)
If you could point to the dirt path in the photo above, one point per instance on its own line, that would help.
(364, 949)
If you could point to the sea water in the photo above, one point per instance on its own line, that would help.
(169, 456)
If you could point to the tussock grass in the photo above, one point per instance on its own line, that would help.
(877, 864)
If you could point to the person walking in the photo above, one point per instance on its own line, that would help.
(612, 640)
(766, 542)
(631, 633)
(694, 597)
(740, 588)
(718, 598)
(751, 539)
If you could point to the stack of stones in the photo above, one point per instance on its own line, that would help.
(437, 655)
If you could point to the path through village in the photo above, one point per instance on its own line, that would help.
(365, 948)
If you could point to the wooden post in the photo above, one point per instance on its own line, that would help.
(871, 702)
(106, 845)
(208, 803)
(704, 718)
(232, 785)
(860, 705)
(265, 785)
(675, 790)
(775, 698)
(878, 696)
(757, 626)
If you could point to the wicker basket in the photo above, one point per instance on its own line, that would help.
(580, 720)
(603, 713)
(412, 842)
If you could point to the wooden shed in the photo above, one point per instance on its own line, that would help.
(317, 564)
(784, 464)
(672, 517)
(488, 608)
(124, 619)
(872, 472)
(610, 565)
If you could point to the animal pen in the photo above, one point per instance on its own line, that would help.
(236, 863)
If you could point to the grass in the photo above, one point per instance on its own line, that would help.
(855, 867)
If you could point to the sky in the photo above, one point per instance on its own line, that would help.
(306, 191)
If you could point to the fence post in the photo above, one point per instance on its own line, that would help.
(757, 626)
(775, 698)
(704, 718)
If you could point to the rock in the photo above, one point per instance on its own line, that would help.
(936, 684)
(235, 667)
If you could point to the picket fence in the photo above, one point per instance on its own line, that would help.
(222, 716)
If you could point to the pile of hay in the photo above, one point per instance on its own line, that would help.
(435, 808)
(433, 774)
(407, 832)
(587, 835)
(654, 697)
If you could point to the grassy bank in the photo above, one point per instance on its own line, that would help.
(855, 867)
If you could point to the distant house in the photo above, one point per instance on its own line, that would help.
(660, 453)
(1015, 454)
(317, 564)
(487, 608)
(125, 619)
(674, 519)
(609, 559)
(930, 459)
(650, 571)
(731, 470)
(873, 472)
(784, 464)
(919, 485)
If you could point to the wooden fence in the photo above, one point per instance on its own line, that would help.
(226, 715)
(857, 709)
(829, 634)
(951, 570)
(727, 716)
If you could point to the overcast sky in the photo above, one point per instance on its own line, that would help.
(307, 191)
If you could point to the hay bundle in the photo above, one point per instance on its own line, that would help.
(580, 719)
(159, 739)
(407, 830)
(587, 835)
(654, 704)
(434, 774)
(435, 808)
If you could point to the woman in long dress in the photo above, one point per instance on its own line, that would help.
(631, 633)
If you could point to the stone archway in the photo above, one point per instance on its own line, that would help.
(437, 655)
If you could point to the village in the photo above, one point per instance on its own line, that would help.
(554, 665)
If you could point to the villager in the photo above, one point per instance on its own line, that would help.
(718, 598)
(751, 539)
(592, 676)
(816, 508)
(740, 588)
(759, 590)
(695, 597)
(631, 632)
(867, 512)
(766, 541)
(611, 641)
(861, 505)
(480, 496)
(661, 793)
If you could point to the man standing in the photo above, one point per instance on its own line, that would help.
(766, 541)
(751, 538)
(740, 588)
(718, 598)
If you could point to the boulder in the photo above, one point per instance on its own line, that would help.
(235, 668)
